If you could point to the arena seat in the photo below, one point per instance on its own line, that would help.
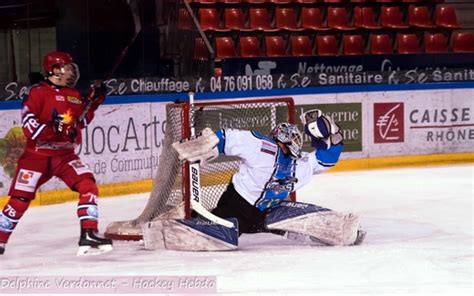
(250, 47)
(225, 48)
(336, 1)
(364, 17)
(279, 1)
(445, 16)
(392, 17)
(234, 19)
(353, 44)
(275, 46)
(435, 43)
(301, 46)
(285, 18)
(209, 20)
(259, 19)
(205, 1)
(463, 42)
(408, 44)
(338, 18)
(327, 45)
(200, 51)
(419, 16)
(306, 1)
(230, 1)
(311, 18)
(380, 44)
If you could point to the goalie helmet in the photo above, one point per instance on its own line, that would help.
(289, 135)
(69, 71)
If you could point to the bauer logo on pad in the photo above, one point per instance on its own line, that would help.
(388, 123)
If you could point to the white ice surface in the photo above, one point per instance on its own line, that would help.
(420, 241)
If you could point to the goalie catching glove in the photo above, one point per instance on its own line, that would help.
(201, 149)
(322, 129)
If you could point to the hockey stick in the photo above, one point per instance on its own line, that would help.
(138, 27)
(194, 177)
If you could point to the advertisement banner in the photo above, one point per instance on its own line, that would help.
(421, 122)
(343, 64)
(124, 141)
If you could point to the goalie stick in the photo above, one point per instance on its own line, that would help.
(194, 177)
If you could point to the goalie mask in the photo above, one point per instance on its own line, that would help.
(60, 69)
(289, 135)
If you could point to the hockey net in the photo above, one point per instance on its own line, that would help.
(170, 197)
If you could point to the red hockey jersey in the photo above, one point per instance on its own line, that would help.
(43, 101)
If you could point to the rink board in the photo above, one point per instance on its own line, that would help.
(382, 129)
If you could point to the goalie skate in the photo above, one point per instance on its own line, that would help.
(90, 244)
(2, 248)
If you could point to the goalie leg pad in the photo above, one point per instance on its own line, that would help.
(330, 227)
(190, 235)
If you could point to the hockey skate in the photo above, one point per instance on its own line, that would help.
(2, 248)
(90, 244)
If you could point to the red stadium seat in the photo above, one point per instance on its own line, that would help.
(311, 18)
(254, 1)
(301, 46)
(364, 17)
(250, 47)
(185, 21)
(380, 44)
(306, 1)
(408, 44)
(201, 53)
(353, 44)
(463, 42)
(338, 18)
(209, 19)
(275, 46)
(285, 18)
(259, 19)
(392, 17)
(279, 1)
(327, 45)
(205, 1)
(234, 19)
(419, 16)
(436, 43)
(225, 48)
(230, 1)
(446, 17)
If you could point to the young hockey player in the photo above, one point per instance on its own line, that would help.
(52, 119)
(271, 167)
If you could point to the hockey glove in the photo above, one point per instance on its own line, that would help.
(96, 95)
(58, 123)
(62, 128)
(322, 129)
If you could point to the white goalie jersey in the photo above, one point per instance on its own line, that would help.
(266, 175)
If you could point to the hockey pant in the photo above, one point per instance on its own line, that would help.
(34, 170)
